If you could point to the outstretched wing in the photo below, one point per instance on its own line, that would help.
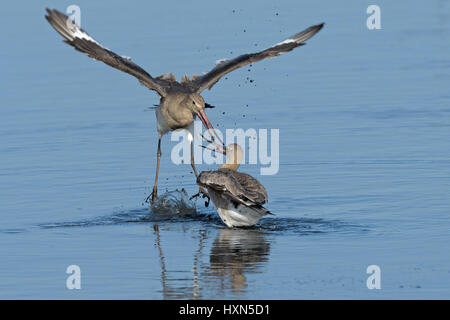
(83, 42)
(226, 66)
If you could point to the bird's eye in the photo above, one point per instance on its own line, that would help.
(193, 102)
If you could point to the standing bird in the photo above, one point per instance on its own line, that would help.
(237, 196)
(181, 101)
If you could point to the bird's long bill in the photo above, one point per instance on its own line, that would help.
(219, 148)
(208, 126)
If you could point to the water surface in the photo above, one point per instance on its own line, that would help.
(364, 179)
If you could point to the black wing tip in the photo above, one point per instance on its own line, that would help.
(50, 12)
(317, 27)
(53, 14)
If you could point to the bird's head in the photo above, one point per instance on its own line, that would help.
(235, 155)
(233, 152)
(197, 105)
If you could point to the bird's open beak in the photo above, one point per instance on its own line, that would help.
(208, 126)
(218, 148)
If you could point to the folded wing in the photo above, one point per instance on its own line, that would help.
(239, 187)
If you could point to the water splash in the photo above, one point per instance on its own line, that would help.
(174, 203)
(171, 206)
(176, 207)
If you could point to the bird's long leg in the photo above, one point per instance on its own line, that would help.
(193, 160)
(201, 191)
(154, 194)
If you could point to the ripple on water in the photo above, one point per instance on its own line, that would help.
(13, 230)
(308, 226)
(176, 207)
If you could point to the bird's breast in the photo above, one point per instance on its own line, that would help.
(175, 115)
(163, 126)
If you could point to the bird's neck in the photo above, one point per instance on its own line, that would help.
(231, 166)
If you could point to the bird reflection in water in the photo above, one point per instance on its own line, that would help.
(188, 289)
(234, 254)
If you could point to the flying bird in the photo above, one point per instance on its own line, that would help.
(180, 102)
(237, 196)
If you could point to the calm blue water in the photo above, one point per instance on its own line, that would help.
(364, 179)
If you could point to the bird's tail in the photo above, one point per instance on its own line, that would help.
(261, 210)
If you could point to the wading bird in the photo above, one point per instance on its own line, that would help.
(237, 196)
(181, 101)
